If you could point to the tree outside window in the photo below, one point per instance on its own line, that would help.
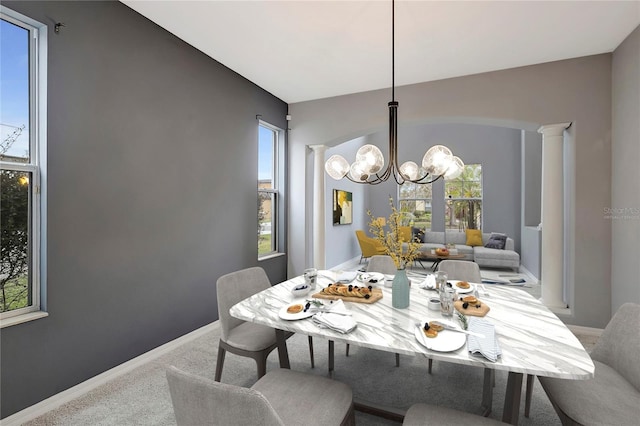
(463, 207)
(22, 144)
(415, 204)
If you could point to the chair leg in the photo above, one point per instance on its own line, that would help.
(220, 362)
(347, 349)
(331, 360)
(262, 365)
(397, 360)
(313, 365)
(430, 365)
(527, 398)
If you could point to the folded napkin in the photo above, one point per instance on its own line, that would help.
(486, 346)
(336, 317)
(429, 283)
(347, 275)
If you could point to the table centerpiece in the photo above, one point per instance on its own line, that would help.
(402, 252)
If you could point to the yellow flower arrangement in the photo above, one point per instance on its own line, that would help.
(402, 252)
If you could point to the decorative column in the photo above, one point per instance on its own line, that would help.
(318, 210)
(552, 262)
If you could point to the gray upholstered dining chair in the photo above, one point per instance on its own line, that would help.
(612, 396)
(462, 270)
(240, 337)
(281, 397)
(384, 265)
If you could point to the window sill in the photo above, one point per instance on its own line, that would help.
(19, 319)
(271, 256)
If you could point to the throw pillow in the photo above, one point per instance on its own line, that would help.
(497, 241)
(474, 237)
(417, 235)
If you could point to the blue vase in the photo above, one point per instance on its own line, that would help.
(400, 290)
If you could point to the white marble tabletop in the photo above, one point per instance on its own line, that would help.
(532, 338)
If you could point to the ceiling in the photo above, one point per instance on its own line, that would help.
(311, 49)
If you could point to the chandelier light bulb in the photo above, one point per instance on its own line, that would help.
(336, 167)
(455, 169)
(437, 160)
(409, 170)
(371, 157)
(358, 171)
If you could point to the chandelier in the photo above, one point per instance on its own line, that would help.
(438, 162)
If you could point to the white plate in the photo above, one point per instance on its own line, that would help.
(366, 277)
(471, 288)
(290, 317)
(445, 341)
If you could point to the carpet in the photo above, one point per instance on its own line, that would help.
(142, 396)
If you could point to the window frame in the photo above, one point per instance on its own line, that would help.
(427, 201)
(36, 165)
(449, 199)
(274, 192)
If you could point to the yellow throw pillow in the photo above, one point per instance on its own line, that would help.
(474, 237)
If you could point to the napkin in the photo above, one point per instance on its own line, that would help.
(429, 283)
(486, 346)
(347, 275)
(336, 317)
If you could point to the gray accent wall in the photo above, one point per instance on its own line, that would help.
(152, 171)
(625, 170)
(576, 90)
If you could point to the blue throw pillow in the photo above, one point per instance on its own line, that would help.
(497, 241)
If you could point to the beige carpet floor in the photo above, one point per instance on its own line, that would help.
(142, 397)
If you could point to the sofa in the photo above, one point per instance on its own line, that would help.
(481, 254)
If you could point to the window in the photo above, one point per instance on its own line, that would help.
(22, 148)
(268, 194)
(415, 203)
(463, 207)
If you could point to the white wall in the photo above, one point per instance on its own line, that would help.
(625, 194)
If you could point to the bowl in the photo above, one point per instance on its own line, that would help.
(300, 290)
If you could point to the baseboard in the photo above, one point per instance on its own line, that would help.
(80, 389)
(530, 276)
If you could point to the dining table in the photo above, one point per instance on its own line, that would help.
(531, 338)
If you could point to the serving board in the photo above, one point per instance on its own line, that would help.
(471, 309)
(376, 294)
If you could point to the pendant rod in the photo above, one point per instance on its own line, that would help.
(393, 51)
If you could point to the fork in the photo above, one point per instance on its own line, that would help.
(484, 291)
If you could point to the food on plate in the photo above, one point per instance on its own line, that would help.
(442, 252)
(434, 325)
(338, 289)
(429, 331)
(294, 309)
(470, 299)
(463, 284)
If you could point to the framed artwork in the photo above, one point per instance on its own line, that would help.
(342, 207)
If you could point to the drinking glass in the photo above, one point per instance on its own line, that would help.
(447, 297)
(441, 280)
(310, 277)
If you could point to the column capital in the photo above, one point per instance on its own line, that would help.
(553, 129)
(318, 147)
